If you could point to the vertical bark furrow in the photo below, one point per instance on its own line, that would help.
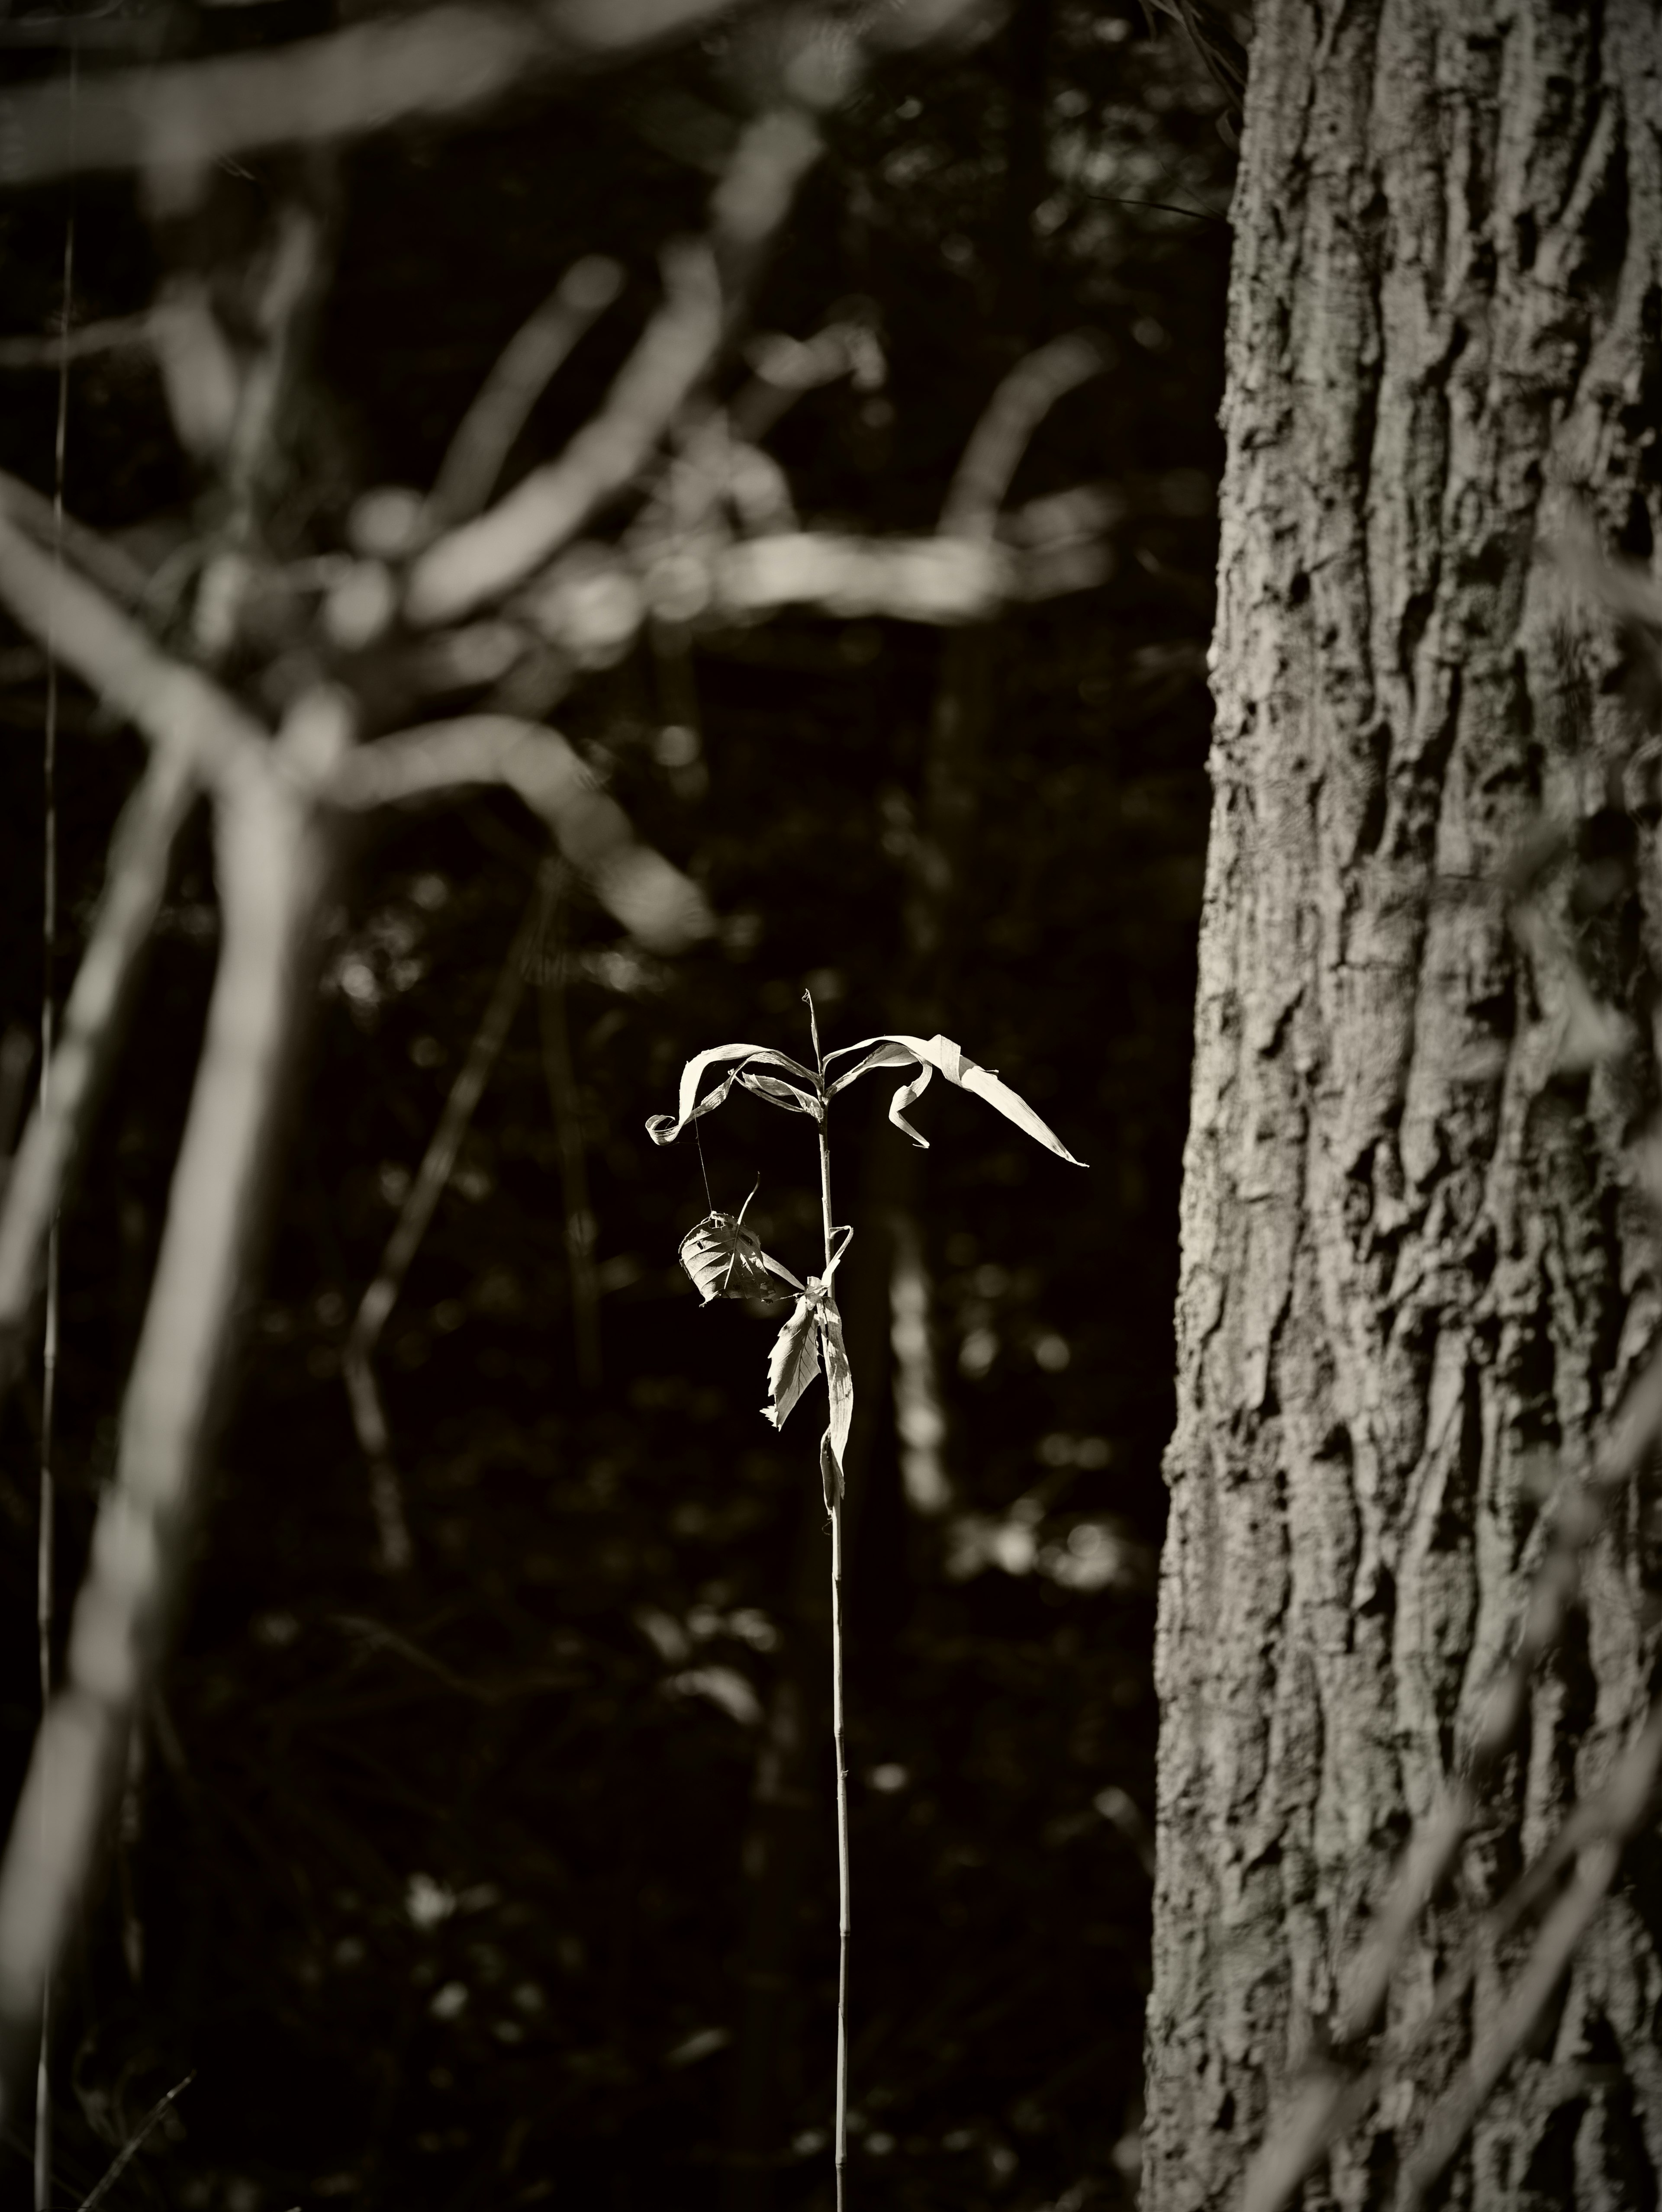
(1413, 1271)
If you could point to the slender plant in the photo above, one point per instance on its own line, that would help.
(726, 1260)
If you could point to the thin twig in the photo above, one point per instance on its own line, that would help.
(368, 1414)
(118, 2164)
(528, 363)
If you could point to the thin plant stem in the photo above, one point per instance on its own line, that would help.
(45, 1547)
(844, 1916)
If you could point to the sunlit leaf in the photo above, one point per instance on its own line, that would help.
(928, 1054)
(792, 1363)
(664, 1128)
(839, 1379)
(726, 1260)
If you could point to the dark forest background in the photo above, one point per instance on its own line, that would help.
(510, 1879)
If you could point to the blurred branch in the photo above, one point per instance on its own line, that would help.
(532, 356)
(593, 604)
(105, 564)
(663, 908)
(1301, 2138)
(444, 63)
(272, 872)
(368, 1414)
(1019, 404)
(140, 856)
(486, 557)
(1331, 2105)
(167, 702)
(83, 344)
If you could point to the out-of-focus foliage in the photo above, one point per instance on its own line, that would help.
(445, 1884)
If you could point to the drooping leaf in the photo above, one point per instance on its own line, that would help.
(792, 1363)
(664, 1128)
(839, 1377)
(928, 1055)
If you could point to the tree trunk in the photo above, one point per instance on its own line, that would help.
(1415, 1270)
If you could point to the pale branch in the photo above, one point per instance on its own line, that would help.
(440, 65)
(484, 558)
(474, 460)
(105, 564)
(140, 855)
(83, 344)
(593, 604)
(1027, 394)
(706, 283)
(363, 1394)
(654, 899)
(170, 704)
(273, 876)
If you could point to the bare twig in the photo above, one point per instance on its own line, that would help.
(1020, 404)
(663, 908)
(537, 350)
(272, 875)
(368, 1414)
(118, 2164)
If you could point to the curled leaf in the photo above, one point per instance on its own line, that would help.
(928, 1055)
(664, 1128)
(792, 1363)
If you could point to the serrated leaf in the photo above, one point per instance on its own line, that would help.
(792, 1363)
(928, 1055)
(664, 1128)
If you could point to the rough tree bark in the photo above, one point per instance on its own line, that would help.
(1415, 1266)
